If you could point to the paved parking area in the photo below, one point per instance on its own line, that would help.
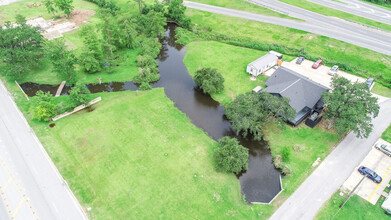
(317, 75)
(369, 190)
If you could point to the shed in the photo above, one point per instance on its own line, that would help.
(257, 89)
(263, 63)
(387, 204)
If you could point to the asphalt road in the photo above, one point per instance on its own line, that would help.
(358, 8)
(306, 201)
(356, 34)
(30, 185)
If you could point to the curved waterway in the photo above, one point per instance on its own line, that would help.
(261, 182)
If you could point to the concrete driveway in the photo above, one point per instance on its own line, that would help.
(369, 190)
(317, 75)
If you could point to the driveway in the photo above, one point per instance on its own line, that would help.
(368, 190)
(30, 185)
(306, 201)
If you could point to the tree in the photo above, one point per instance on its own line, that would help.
(176, 12)
(350, 106)
(78, 94)
(50, 6)
(44, 109)
(209, 80)
(65, 6)
(140, 6)
(250, 112)
(151, 24)
(21, 47)
(91, 57)
(230, 156)
(63, 60)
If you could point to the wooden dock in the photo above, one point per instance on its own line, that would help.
(59, 90)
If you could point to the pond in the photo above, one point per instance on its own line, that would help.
(261, 182)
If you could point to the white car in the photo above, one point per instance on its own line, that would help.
(384, 148)
(333, 70)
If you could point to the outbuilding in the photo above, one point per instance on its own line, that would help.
(263, 63)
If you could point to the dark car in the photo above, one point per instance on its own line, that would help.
(369, 82)
(317, 64)
(300, 60)
(370, 174)
(384, 148)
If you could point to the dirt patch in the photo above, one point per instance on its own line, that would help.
(81, 16)
(82, 142)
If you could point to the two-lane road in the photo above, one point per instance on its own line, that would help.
(30, 185)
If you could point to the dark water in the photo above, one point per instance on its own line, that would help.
(261, 182)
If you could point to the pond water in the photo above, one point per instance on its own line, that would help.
(261, 182)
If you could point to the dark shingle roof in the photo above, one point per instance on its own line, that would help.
(300, 90)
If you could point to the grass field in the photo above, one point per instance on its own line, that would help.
(244, 6)
(381, 90)
(387, 134)
(140, 157)
(306, 145)
(356, 208)
(369, 62)
(336, 13)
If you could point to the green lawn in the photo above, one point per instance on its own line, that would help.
(368, 63)
(139, 157)
(381, 90)
(307, 144)
(230, 61)
(336, 13)
(387, 134)
(244, 6)
(356, 208)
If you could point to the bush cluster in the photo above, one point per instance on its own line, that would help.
(209, 80)
(230, 156)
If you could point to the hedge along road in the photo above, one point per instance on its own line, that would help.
(339, 29)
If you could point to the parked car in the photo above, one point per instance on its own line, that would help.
(369, 82)
(384, 148)
(333, 70)
(370, 174)
(300, 60)
(317, 64)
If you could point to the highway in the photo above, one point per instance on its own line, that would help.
(339, 29)
(30, 185)
(358, 8)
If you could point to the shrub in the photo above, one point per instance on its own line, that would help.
(285, 169)
(145, 86)
(209, 80)
(230, 156)
(286, 154)
(78, 94)
(277, 161)
(44, 109)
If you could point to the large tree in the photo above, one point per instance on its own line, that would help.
(209, 80)
(230, 156)
(65, 6)
(92, 56)
(250, 112)
(176, 12)
(151, 24)
(350, 106)
(21, 47)
(63, 60)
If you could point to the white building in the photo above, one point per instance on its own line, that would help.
(263, 63)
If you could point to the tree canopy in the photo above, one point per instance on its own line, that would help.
(209, 80)
(350, 106)
(250, 112)
(21, 47)
(63, 61)
(230, 156)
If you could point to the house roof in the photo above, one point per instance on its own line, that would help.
(300, 90)
(264, 60)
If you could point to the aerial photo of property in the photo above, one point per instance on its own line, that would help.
(200, 109)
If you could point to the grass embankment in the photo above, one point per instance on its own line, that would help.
(356, 208)
(336, 13)
(140, 157)
(364, 61)
(385, 6)
(381, 90)
(387, 134)
(244, 6)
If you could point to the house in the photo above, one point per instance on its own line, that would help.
(263, 63)
(304, 94)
